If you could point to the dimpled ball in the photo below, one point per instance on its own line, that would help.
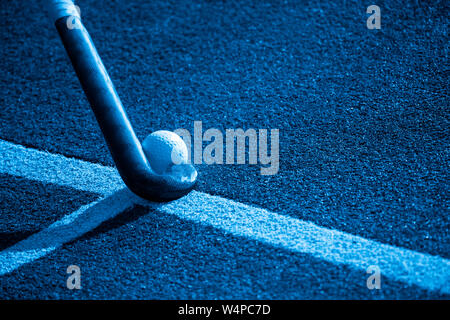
(163, 149)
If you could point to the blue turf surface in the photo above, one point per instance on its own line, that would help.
(363, 119)
(169, 258)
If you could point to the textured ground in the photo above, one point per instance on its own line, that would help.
(363, 119)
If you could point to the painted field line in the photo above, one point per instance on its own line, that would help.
(414, 268)
(56, 169)
(69, 228)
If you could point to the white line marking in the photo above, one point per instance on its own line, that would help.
(414, 268)
(42, 166)
(69, 228)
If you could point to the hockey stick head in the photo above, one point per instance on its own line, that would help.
(125, 148)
